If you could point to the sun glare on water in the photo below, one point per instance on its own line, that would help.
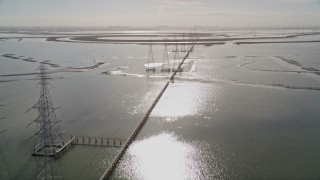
(185, 100)
(162, 156)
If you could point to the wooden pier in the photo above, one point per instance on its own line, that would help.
(79, 140)
(97, 141)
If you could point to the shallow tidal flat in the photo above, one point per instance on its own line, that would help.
(248, 111)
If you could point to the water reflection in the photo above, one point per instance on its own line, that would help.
(4, 170)
(163, 156)
(185, 99)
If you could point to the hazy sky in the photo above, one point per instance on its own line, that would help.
(160, 12)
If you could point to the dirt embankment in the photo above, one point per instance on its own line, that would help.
(296, 63)
(13, 56)
(97, 65)
(275, 42)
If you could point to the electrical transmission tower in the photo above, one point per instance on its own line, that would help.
(48, 137)
(47, 170)
(150, 65)
(183, 47)
(176, 57)
(165, 61)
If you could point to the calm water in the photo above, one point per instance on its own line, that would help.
(239, 112)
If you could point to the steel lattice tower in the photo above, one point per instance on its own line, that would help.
(150, 59)
(48, 137)
(183, 47)
(47, 170)
(176, 57)
(165, 60)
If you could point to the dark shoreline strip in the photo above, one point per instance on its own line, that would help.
(304, 69)
(3, 131)
(275, 42)
(296, 63)
(69, 69)
(116, 160)
(10, 80)
(99, 64)
(23, 74)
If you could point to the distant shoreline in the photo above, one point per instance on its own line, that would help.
(187, 41)
(145, 38)
(278, 42)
